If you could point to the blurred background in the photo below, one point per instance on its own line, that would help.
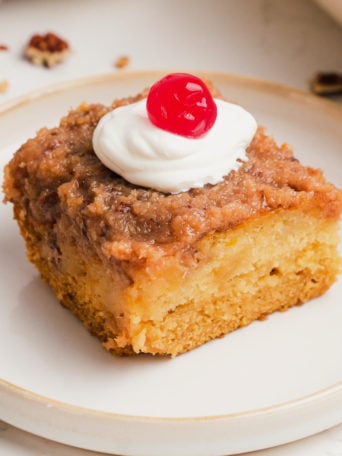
(283, 41)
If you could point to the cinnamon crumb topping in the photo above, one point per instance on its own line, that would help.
(59, 165)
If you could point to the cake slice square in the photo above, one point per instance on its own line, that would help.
(161, 273)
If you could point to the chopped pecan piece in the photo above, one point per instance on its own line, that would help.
(47, 50)
(327, 83)
(122, 62)
(3, 47)
(3, 86)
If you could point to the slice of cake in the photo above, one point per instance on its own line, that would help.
(165, 270)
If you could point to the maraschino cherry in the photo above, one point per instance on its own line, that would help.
(182, 104)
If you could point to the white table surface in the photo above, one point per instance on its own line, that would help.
(285, 41)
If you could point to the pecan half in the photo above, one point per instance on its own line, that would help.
(327, 84)
(47, 50)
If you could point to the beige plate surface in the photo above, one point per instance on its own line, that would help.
(270, 383)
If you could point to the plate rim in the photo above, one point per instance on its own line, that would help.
(31, 396)
(264, 85)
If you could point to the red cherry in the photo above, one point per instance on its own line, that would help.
(181, 103)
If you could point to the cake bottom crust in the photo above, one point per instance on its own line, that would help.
(268, 264)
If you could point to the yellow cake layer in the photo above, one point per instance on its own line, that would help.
(269, 263)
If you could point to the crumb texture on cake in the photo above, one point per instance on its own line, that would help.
(115, 213)
(158, 273)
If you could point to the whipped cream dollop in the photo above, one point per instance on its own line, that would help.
(130, 145)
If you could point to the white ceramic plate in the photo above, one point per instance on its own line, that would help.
(270, 383)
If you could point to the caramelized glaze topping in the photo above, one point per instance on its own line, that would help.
(57, 172)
